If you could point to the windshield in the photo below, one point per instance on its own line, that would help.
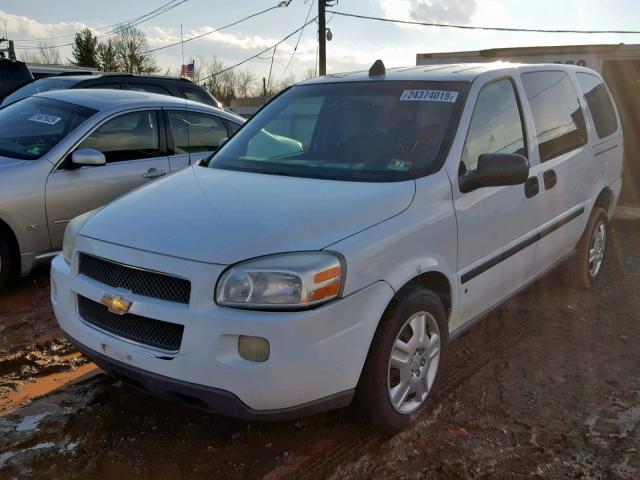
(360, 131)
(39, 86)
(33, 126)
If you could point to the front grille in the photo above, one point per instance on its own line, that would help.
(154, 333)
(140, 282)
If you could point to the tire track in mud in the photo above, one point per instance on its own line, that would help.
(499, 332)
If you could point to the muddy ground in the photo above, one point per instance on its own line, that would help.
(548, 386)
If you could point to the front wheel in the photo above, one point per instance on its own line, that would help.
(405, 360)
(586, 265)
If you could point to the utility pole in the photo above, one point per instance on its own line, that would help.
(322, 39)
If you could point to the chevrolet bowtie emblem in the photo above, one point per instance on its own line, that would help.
(116, 304)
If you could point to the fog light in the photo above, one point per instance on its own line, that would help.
(255, 349)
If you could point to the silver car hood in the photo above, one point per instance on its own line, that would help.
(6, 162)
(219, 216)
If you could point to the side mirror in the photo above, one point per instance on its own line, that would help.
(222, 141)
(88, 156)
(496, 170)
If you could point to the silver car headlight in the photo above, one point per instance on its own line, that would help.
(287, 281)
(71, 233)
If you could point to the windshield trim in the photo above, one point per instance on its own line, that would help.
(463, 87)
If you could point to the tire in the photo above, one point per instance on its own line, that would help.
(586, 265)
(421, 365)
(5, 264)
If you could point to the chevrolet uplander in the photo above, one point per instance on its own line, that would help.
(334, 246)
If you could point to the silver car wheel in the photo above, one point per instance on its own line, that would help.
(413, 362)
(596, 248)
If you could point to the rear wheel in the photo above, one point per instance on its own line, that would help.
(5, 264)
(586, 265)
(405, 360)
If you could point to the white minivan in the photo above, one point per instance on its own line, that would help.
(336, 244)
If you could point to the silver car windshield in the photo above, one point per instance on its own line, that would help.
(33, 126)
(358, 131)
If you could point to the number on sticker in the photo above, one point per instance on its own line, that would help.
(429, 96)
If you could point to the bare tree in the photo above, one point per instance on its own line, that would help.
(246, 83)
(310, 73)
(44, 55)
(130, 46)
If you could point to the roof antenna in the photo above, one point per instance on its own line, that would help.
(377, 69)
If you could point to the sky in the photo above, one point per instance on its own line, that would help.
(355, 44)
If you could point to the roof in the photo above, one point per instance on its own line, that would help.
(102, 99)
(105, 99)
(444, 72)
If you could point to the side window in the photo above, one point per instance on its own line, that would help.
(232, 127)
(600, 104)
(195, 132)
(557, 115)
(195, 94)
(130, 136)
(145, 87)
(105, 86)
(496, 125)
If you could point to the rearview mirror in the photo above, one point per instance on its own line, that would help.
(496, 170)
(88, 156)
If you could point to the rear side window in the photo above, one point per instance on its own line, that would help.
(496, 125)
(600, 104)
(149, 88)
(557, 116)
(196, 94)
(195, 132)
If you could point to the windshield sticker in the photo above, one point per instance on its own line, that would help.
(42, 118)
(399, 165)
(429, 96)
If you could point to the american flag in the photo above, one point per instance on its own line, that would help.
(187, 71)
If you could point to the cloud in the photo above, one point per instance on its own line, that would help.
(22, 27)
(438, 11)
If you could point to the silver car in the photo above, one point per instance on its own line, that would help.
(63, 153)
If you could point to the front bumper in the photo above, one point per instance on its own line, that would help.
(316, 356)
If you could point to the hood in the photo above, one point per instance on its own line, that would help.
(221, 216)
(11, 162)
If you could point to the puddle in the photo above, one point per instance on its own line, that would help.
(30, 422)
(45, 385)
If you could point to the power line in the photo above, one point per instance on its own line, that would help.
(259, 53)
(472, 27)
(280, 5)
(94, 28)
(295, 49)
(159, 11)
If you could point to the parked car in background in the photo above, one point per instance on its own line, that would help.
(13, 74)
(334, 245)
(65, 152)
(172, 86)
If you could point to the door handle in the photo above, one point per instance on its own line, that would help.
(531, 187)
(154, 173)
(550, 179)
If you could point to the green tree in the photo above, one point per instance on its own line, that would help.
(106, 56)
(85, 49)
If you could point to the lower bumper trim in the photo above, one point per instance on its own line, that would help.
(207, 398)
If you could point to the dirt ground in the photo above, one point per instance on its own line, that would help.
(548, 386)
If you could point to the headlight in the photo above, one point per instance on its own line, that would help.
(71, 233)
(282, 282)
